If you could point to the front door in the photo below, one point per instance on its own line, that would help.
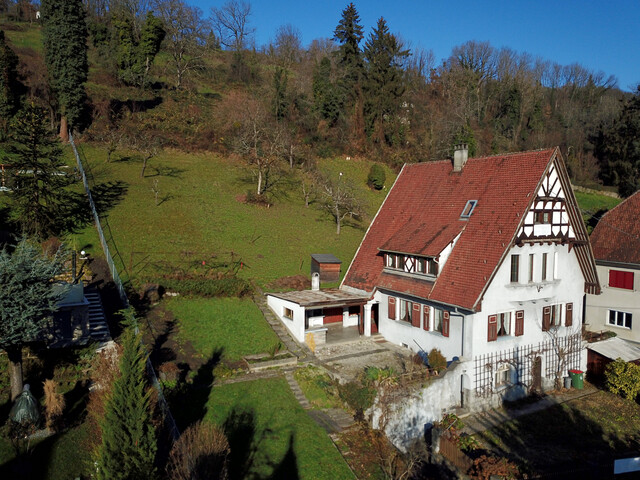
(374, 318)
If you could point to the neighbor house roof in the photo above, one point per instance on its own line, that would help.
(422, 215)
(616, 237)
(616, 348)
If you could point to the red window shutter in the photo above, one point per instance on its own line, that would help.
(546, 319)
(492, 332)
(392, 308)
(425, 323)
(519, 323)
(415, 317)
(568, 318)
(445, 324)
(613, 278)
(628, 280)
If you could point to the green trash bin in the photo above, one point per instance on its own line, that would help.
(577, 378)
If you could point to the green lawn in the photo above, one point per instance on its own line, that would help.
(201, 217)
(593, 206)
(271, 436)
(59, 457)
(235, 326)
(23, 35)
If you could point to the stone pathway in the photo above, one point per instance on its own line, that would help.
(303, 354)
(333, 420)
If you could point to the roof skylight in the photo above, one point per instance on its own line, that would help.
(468, 208)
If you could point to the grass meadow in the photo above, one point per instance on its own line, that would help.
(201, 217)
(271, 436)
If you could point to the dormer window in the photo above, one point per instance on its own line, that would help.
(468, 208)
(411, 264)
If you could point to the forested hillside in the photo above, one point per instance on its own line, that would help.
(165, 74)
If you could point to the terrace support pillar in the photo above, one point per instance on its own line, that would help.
(367, 320)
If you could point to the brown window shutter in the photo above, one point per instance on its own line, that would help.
(392, 308)
(415, 317)
(492, 331)
(445, 324)
(546, 319)
(519, 323)
(568, 319)
(425, 323)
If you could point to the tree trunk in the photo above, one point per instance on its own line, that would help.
(15, 371)
(144, 166)
(64, 129)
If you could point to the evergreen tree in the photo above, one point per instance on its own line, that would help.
(9, 84)
(27, 299)
(618, 148)
(349, 34)
(39, 199)
(384, 80)
(279, 102)
(64, 36)
(128, 437)
(325, 96)
(135, 55)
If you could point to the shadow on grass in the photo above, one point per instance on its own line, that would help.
(188, 401)
(562, 441)
(248, 453)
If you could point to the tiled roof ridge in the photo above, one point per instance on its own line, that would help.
(618, 205)
(495, 155)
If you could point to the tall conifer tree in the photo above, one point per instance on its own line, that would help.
(349, 34)
(128, 437)
(64, 35)
(384, 83)
(39, 202)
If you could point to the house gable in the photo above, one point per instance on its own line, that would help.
(428, 207)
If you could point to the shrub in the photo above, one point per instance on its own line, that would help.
(226, 286)
(437, 361)
(357, 396)
(200, 453)
(54, 404)
(376, 177)
(377, 375)
(623, 378)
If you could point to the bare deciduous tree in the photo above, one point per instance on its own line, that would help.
(339, 199)
(186, 34)
(231, 22)
(262, 144)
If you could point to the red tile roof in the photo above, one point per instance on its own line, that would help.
(616, 238)
(421, 215)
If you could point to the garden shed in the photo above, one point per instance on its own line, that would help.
(327, 266)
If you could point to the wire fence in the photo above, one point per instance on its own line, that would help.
(171, 423)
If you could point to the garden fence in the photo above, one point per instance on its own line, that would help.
(171, 424)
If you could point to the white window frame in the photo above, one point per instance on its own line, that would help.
(287, 313)
(621, 319)
(502, 377)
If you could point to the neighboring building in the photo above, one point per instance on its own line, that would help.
(486, 259)
(616, 247)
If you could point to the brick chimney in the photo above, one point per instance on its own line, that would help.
(460, 156)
